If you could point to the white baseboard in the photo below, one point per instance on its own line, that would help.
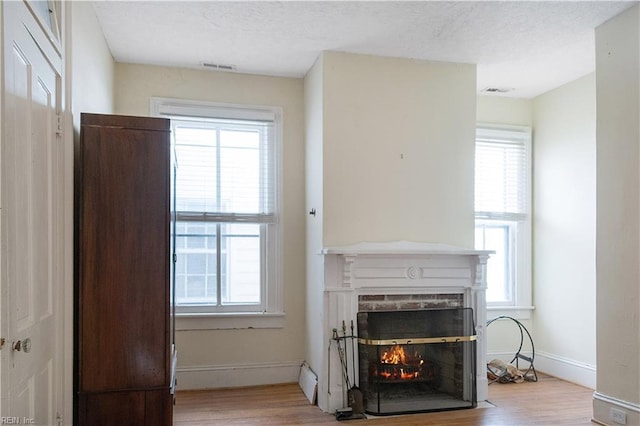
(563, 368)
(237, 375)
(566, 369)
(602, 405)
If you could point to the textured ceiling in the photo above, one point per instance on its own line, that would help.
(531, 47)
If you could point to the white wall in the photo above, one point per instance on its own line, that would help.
(90, 79)
(563, 330)
(501, 110)
(219, 358)
(618, 217)
(92, 69)
(564, 222)
(314, 200)
(398, 150)
(503, 337)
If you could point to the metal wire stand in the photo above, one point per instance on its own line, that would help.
(530, 374)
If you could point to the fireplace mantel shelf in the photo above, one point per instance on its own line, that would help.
(401, 247)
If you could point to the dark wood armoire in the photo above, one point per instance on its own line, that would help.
(123, 339)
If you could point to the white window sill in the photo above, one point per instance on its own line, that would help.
(229, 321)
(516, 312)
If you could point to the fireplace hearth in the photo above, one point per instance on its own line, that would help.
(417, 361)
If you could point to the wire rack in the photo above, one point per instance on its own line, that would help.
(530, 373)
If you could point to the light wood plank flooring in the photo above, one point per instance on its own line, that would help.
(548, 402)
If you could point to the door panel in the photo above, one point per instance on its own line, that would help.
(30, 215)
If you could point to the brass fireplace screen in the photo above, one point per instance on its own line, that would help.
(416, 361)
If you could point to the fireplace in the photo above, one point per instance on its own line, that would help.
(399, 276)
(417, 361)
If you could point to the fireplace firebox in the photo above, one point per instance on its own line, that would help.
(417, 360)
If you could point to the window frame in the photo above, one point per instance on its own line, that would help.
(519, 304)
(510, 228)
(270, 313)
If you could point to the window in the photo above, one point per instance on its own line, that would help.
(225, 190)
(503, 213)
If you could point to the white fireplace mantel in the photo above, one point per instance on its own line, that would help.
(400, 247)
(396, 268)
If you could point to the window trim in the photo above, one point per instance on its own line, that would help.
(272, 315)
(521, 306)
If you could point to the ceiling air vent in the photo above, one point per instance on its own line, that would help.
(221, 67)
(497, 89)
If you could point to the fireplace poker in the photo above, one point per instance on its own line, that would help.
(354, 395)
(346, 357)
(356, 399)
(329, 365)
(343, 357)
(353, 355)
(337, 339)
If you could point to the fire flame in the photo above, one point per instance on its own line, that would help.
(405, 376)
(395, 355)
(409, 367)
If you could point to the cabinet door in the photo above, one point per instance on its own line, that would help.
(124, 259)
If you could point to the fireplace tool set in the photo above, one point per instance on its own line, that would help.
(355, 403)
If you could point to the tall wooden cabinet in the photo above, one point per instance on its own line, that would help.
(123, 342)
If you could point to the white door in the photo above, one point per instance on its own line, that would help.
(30, 202)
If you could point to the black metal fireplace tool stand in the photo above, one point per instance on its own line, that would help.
(530, 374)
(355, 404)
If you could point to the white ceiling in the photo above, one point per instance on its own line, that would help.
(531, 47)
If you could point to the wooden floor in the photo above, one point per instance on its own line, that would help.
(548, 402)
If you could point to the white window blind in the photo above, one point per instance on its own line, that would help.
(503, 214)
(501, 175)
(226, 170)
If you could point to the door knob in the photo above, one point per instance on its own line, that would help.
(22, 345)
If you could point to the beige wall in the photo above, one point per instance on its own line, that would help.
(564, 223)
(390, 148)
(398, 149)
(208, 350)
(617, 231)
(618, 213)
